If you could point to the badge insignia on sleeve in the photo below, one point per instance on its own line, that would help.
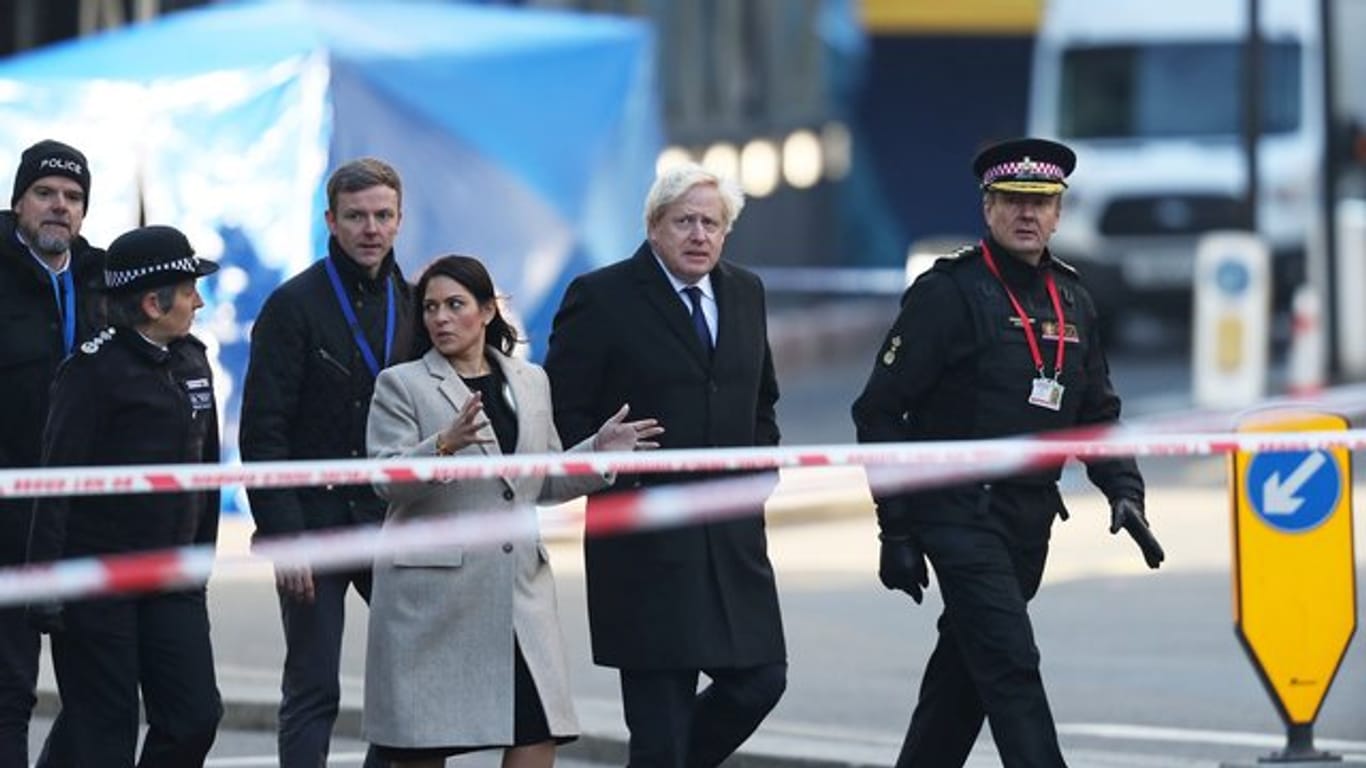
(93, 346)
(889, 356)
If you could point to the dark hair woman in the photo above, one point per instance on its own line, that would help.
(464, 650)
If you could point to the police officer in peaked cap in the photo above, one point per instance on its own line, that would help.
(141, 392)
(996, 340)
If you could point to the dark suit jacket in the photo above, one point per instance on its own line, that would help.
(702, 595)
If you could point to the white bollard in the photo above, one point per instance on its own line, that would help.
(1350, 282)
(1305, 366)
(1231, 320)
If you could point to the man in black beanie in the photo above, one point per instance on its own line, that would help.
(48, 275)
(51, 158)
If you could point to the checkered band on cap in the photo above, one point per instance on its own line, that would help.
(117, 278)
(1022, 170)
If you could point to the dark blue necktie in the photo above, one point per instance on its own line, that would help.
(699, 320)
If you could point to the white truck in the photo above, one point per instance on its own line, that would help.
(1149, 94)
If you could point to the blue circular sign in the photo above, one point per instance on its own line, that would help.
(1232, 277)
(1294, 491)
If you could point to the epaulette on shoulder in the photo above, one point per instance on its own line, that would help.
(1063, 266)
(98, 341)
(956, 258)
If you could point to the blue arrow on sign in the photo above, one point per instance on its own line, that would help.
(1294, 491)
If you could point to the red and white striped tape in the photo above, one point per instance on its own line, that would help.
(349, 547)
(1194, 433)
(152, 478)
(917, 465)
(656, 507)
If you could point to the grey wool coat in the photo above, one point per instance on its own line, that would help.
(439, 661)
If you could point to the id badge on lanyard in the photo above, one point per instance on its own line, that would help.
(1044, 391)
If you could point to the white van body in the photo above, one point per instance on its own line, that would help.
(1148, 93)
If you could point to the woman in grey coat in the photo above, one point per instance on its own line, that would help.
(465, 651)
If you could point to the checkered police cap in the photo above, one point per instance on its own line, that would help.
(150, 257)
(1025, 166)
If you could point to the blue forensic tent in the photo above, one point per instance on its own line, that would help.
(526, 138)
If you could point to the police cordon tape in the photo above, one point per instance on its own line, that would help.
(1170, 435)
(627, 511)
(899, 467)
(348, 547)
(164, 478)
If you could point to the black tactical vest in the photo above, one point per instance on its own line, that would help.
(991, 386)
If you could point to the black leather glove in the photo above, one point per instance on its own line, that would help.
(46, 617)
(1128, 514)
(902, 566)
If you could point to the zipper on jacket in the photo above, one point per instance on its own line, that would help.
(334, 362)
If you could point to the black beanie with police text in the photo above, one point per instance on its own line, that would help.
(51, 158)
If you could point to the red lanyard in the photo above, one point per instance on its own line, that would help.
(1024, 318)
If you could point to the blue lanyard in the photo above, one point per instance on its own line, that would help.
(351, 320)
(65, 296)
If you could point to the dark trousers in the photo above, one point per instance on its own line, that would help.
(672, 725)
(985, 664)
(310, 688)
(19, 647)
(112, 647)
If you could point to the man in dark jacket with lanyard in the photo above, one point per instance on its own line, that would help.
(141, 392)
(49, 303)
(316, 348)
(1000, 339)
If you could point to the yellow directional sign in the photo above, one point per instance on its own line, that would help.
(1294, 581)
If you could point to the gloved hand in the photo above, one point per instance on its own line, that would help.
(902, 566)
(46, 617)
(1128, 514)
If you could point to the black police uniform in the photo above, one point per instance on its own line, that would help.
(957, 365)
(124, 400)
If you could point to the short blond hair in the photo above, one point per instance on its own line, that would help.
(675, 182)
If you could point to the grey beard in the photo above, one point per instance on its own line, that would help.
(50, 245)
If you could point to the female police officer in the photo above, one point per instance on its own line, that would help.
(1000, 339)
(141, 392)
